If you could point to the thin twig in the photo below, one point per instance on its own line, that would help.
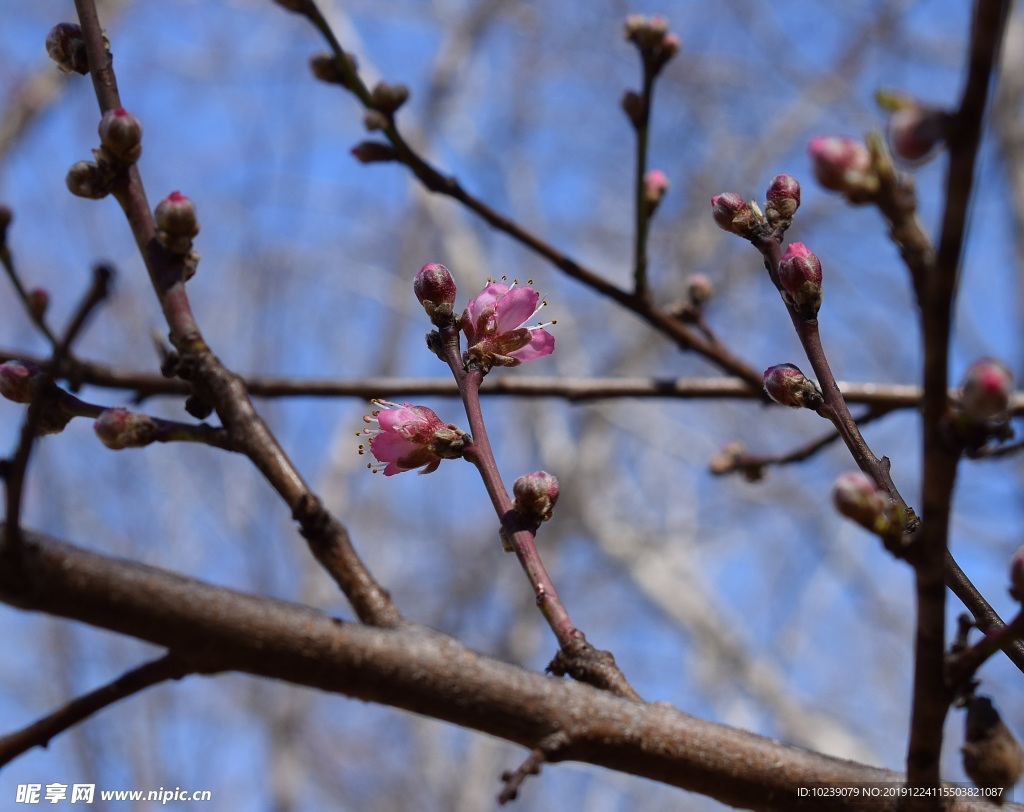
(39, 733)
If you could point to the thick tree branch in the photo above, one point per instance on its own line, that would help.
(419, 670)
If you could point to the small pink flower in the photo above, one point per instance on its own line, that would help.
(411, 437)
(494, 326)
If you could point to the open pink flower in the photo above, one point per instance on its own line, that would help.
(494, 326)
(411, 437)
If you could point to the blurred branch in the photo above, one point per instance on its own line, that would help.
(881, 396)
(417, 669)
(39, 733)
(931, 696)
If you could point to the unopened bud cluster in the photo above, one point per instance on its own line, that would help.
(120, 146)
(733, 214)
(788, 386)
(657, 45)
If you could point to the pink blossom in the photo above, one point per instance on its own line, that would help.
(411, 437)
(494, 326)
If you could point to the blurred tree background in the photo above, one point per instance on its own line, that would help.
(748, 603)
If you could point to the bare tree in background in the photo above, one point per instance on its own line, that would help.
(759, 573)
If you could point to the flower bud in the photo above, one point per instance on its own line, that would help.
(992, 757)
(699, 289)
(844, 164)
(633, 104)
(857, 497)
(370, 152)
(121, 135)
(388, 98)
(176, 222)
(435, 290)
(374, 120)
(1017, 575)
(915, 131)
(782, 200)
(645, 32)
(655, 186)
(37, 301)
(800, 277)
(66, 46)
(325, 68)
(20, 380)
(733, 215)
(121, 428)
(986, 388)
(88, 179)
(787, 386)
(535, 495)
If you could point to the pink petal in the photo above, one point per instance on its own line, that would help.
(485, 300)
(515, 307)
(541, 343)
(389, 446)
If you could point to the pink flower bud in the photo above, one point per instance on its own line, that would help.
(857, 497)
(782, 200)
(800, 277)
(176, 223)
(38, 301)
(388, 98)
(121, 135)
(732, 214)
(20, 380)
(435, 290)
(371, 152)
(121, 428)
(66, 46)
(843, 164)
(787, 386)
(915, 131)
(655, 186)
(1017, 575)
(986, 389)
(535, 495)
